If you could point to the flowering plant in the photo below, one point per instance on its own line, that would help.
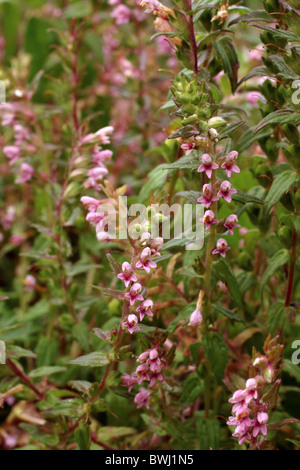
(149, 225)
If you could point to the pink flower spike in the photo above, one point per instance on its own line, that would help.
(196, 318)
(226, 191)
(229, 164)
(207, 199)
(145, 309)
(126, 274)
(209, 219)
(134, 293)
(207, 165)
(231, 223)
(131, 323)
(145, 263)
(142, 398)
(221, 248)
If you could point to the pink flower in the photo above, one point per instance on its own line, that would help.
(221, 248)
(226, 191)
(90, 202)
(156, 245)
(231, 223)
(96, 174)
(101, 155)
(208, 198)
(131, 323)
(207, 165)
(29, 283)
(101, 136)
(196, 318)
(142, 398)
(126, 274)
(188, 148)
(134, 293)
(209, 219)
(121, 14)
(142, 373)
(12, 152)
(150, 5)
(229, 164)
(145, 263)
(253, 97)
(95, 218)
(128, 381)
(145, 309)
(260, 426)
(26, 172)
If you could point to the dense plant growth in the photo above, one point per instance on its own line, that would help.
(149, 225)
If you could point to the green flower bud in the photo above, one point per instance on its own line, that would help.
(285, 235)
(216, 122)
(190, 120)
(292, 154)
(114, 307)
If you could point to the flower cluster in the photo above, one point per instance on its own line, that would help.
(246, 404)
(99, 155)
(22, 142)
(211, 195)
(151, 361)
(252, 404)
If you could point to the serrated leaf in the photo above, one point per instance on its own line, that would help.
(277, 261)
(95, 359)
(257, 15)
(280, 118)
(292, 369)
(117, 294)
(227, 313)
(229, 130)
(224, 272)
(216, 352)
(281, 185)
(15, 352)
(244, 198)
(45, 371)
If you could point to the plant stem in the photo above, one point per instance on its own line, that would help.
(291, 270)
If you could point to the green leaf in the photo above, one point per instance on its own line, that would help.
(277, 318)
(109, 433)
(95, 359)
(280, 118)
(45, 371)
(184, 315)
(156, 180)
(281, 185)
(82, 386)
(279, 33)
(117, 294)
(227, 313)
(15, 352)
(78, 10)
(224, 272)
(230, 129)
(292, 369)
(258, 15)
(216, 352)
(208, 433)
(245, 198)
(279, 259)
